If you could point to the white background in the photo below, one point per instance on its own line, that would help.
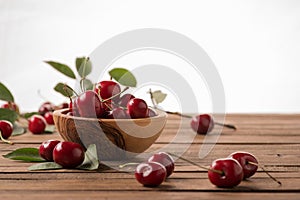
(255, 45)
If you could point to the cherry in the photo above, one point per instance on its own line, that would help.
(152, 112)
(137, 108)
(125, 99)
(46, 149)
(150, 174)
(63, 106)
(117, 113)
(6, 129)
(37, 124)
(107, 89)
(49, 118)
(244, 158)
(202, 124)
(165, 159)
(46, 107)
(68, 154)
(11, 106)
(88, 104)
(232, 172)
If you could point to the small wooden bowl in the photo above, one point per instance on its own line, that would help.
(115, 138)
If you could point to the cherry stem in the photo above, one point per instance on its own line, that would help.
(4, 140)
(115, 94)
(226, 125)
(200, 166)
(127, 164)
(273, 178)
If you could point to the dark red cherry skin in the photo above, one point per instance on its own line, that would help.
(46, 149)
(49, 118)
(150, 174)
(137, 108)
(243, 158)
(46, 107)
(11, 106)
(125, 99)
(117, 113)
(202, 124)
(88, 104)
(63, 106)
(152, 112)
(232, 173)
(165, 159)
(107, 89)
(6, 128)
(68, 154)
(36, 124)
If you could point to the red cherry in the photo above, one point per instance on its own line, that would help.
(244, 158)
(232, 173)
(46, 107)
(117, 113)
(49, 118)
(107, 89)
(88, 104)
(152, 112)
(165, 159)
(137, 108)
(46, 149)
(6, 128)
(68, 154)
(202, 124)
(150, 174)
(37, 124)
(125, 99)
(11, 106)
(63, 106)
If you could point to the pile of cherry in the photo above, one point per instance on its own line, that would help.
(224, 172)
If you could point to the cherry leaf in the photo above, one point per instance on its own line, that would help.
(25, 154)
(5, 94)
(87, 84)
(29, 114)
(91, 161)
(44, 166)
(49, 129)
(123, 76)
(64, 69)
(7, 114)
(158, 96)
(64, 89)
(18, 130)
(83, 66)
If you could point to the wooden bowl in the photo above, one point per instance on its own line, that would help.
(115, 138)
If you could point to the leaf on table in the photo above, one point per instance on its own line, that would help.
(29, 114)
(18, 130)
(123, 76)
(7, 114)
(49, 128)
(64, 69)
(83, 66)
(44, 166)
(91, 161)
(64, 89)
(5, 94)
(25, 154)
(158, 96)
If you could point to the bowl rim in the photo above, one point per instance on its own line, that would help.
(61, 112)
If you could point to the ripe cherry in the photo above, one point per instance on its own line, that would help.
(107, 89)
(68, 154)
(244, 158)
(150, 174)
(125, 99)
(231, 173)
(46, 107)
(88, 104)
(63, 106)
(11, 106)
(49, 118)
(117, 113)
(46, 149)
(6, 128)
(137, 108)
(202, 124)
(165, 159)
(37, 124)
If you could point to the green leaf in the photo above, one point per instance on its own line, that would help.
(45, 165)
(25, 154)
(64, 69)
(123, 76)
(49, 129)
(18, 130)
(83, 66)
(7, 114)
(64, 89)
(87, 84)
(5, 94)
(30, 114)
(91, 161)
(158, 96)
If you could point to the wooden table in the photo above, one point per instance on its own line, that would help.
(273, 139)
